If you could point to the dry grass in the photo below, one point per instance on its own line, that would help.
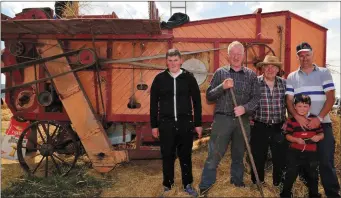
(143, 178)
(6, 113)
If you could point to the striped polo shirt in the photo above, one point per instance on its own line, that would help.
(295, 129)
(315, 85)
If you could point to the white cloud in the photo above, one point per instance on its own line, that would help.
(2, 79)
(319, 12)
(333, 45)
(129, 10)
(194, 10)
(16, 7)
(135, 10)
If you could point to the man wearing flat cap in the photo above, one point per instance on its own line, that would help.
(268, 121)
(317, 82)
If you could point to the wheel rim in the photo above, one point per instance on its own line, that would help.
(52, 150)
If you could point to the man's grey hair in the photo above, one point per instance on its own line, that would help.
(235, 44)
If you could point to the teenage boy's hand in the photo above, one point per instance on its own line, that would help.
(199, 131)
(155, 132)
(314, 123)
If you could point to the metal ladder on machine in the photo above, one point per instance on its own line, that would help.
(178, 5)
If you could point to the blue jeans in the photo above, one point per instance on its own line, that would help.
(224, 129)
(326, 150)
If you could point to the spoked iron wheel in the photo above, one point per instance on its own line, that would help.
(51, 149)
(256, 52)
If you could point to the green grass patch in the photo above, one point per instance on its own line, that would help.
(76, 184)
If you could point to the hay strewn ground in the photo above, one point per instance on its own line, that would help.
(143, 178)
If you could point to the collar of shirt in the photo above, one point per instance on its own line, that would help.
(243, 69)
(308, 114)
(261, 78)
(314, 65)
(174, 75)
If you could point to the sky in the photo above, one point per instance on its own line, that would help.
(326, 14)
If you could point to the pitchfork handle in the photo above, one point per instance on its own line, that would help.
(247, 145)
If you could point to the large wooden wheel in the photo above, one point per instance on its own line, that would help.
(50, 148)
(255, 52)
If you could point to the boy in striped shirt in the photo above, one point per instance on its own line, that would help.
(302, 152)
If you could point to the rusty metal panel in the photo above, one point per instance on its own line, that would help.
(81, 26)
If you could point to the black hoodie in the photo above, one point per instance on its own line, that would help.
(162, 98)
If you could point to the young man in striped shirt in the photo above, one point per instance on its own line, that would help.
(316, 82)
(302, 151)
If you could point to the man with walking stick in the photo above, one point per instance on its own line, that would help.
(226, 127)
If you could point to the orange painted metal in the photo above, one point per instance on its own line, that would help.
(300, 32)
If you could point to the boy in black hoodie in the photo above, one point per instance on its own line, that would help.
(173, 93)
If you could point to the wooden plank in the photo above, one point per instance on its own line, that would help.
(151, 49)
(203, 31)
(88, 128)
(81, 26)
(120, 87)
(126, 94)
(247, 29)
(228, 30)
(215, 31)
(238, 30)
(149, 75)
(87, 79)
(179, 32)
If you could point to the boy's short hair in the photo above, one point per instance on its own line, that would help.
(173, 52)
(305, 99)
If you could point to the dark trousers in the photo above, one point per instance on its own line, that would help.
(297, 160)
(263, 136)
(326, 150)
(176, 141)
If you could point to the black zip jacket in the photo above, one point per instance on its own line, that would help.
(162, 98)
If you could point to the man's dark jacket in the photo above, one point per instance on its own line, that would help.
(162, 98)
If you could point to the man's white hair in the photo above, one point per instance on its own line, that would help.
(234, 44)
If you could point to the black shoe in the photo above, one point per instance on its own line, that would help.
(276, 183)
(286, 195)
(318, 195)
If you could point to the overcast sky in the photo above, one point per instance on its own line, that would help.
(326, 14)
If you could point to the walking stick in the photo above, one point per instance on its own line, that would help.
(247, 145)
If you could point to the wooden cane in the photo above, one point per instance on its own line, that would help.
(247, 145)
